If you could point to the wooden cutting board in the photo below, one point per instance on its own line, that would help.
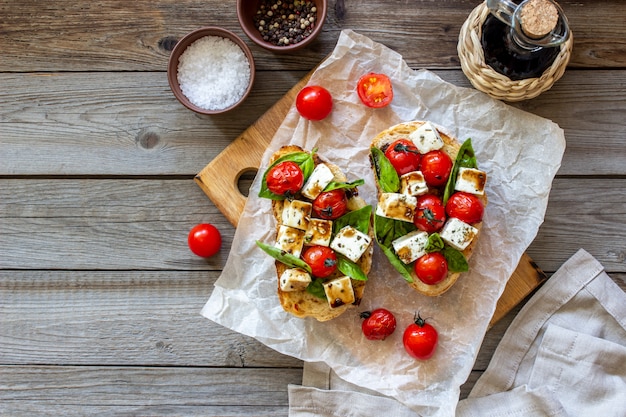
(219, 180)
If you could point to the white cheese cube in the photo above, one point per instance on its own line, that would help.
(411, 246)
(294, 279)
(319, 179)
(397, 206)
(413, 183)
(457, 233)
(471, 180)
(319, 232)
(296, 214)
(351, 243)
(339, 292)
(426, 138)
(290, 240)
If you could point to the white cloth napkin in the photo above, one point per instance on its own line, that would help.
(563, 355)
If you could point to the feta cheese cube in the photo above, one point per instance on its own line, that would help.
(319, 179)
(294, 279)
(457, 233)
(397, 206)
(471, 180)
(413, 183)
(350, 242)
(296, 214)
(411, 246)
(319, 232)
(339, 292)
(290, 240)
(426, 138)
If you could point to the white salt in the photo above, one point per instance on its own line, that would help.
(213, 73)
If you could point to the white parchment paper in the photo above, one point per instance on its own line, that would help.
(520, 152)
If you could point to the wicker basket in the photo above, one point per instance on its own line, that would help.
(487, 80)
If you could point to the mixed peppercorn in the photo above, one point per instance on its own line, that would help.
(284, 23)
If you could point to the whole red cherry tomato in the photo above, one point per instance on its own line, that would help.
(378, 324)
(330, 205)
(204, 240)
(404, 156)
(420, 339)
(314, 102)
(321, 259)
(466, 207)
(431, 268)
(436, 167)
(430, 214)
(285, 178)
(375, 90)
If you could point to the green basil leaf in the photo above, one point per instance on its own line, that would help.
(351, 269)
(401, 267)
(359, 219)
(466, 159)
(435, 243)
(345, 185)
(303, 159)
(456, 260)
(284, 257)
(316, 288)
(388, 178)
(386, 231)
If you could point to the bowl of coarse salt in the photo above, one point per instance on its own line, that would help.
(211, 70)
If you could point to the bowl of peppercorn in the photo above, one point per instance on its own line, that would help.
(282, 26)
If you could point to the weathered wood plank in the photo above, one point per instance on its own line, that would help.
(116, 35)
(131, 124)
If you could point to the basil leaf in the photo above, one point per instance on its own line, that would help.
(466, 159)
(351, 269)
(388, 178)
(401, 267)
(456, 260)
(303, 159)
(284, 257)
(359, 219)
(386, 231)
(346, 185)
(435, 243)
(316, 288)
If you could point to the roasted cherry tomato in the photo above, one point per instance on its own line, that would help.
(420, 339)
(403, 155)
(285, 178)
(378, 324)
(431, 268)
(321, 259)
(330, 205)
(314, 102)
(436, 167)
(375, 90)
(430, 214)
(466, 207)
(204, 240)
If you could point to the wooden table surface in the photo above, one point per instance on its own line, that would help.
(100, 296)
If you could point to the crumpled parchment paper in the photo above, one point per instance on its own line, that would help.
(520, 152)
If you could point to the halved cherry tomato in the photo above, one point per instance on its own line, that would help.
(375, 90)
(204, 240)
(330, 205)
(321, 259)
(285, 178)
(430, 214)
(403, 155)
(466, 207)
(420, 339)
(431, 268)
(436, 167)
(314, 102)
(378, 324)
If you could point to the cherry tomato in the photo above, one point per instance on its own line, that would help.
(204, 240)
(431, 268)
(403, 155)
(330, 205)
(314, 102)
(420, 339)
(430, 214)
(436, 167)
(285, 178)
(321, 259)
(378, 324)
(375, 90)
(466, 207)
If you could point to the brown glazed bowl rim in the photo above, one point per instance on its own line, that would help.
(251, 31)
(181, 46)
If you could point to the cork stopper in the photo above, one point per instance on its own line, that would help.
(538, 18)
